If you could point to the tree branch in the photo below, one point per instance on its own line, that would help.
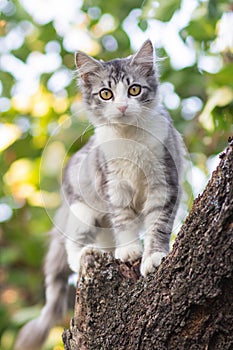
(186, 304)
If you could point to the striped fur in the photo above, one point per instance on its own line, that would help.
(125, 181)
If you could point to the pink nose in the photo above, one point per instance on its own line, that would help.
(122, 108)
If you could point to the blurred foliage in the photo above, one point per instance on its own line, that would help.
(42, 121)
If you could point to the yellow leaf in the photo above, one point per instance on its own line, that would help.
(221, 97)
(9, 133)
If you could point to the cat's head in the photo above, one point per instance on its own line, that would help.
(121, 90)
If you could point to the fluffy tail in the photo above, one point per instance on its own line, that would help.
(34, 333)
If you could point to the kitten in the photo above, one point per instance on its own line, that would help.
(125, 181)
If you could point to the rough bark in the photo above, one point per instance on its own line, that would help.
(186, 304)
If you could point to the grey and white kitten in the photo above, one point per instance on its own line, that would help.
(125, 182)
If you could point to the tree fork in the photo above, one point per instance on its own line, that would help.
(187, 303)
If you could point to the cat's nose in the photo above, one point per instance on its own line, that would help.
(122, 108)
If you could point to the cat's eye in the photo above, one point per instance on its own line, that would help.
(134, 90)
(106, 94)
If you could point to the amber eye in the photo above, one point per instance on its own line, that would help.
(135, 90)
(106, 94)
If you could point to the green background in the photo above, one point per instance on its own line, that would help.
(39, 132)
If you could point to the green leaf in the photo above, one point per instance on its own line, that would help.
(213, 9)
(201, 30)
(143, 24)
(119, 10)
(222, 77)
(160, 10)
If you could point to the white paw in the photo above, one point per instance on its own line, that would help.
(75, 257)
(130, 252)
(74, 262)
(88, 249)
(87, 258)
(74, 266)
(149, 263)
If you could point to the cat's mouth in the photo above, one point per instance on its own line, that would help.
(123, 115)
(124, 119)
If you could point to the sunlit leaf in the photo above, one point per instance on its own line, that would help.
(221, 97)
(9, 133)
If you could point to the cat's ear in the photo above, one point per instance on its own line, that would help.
(86, 65)
(144, 57)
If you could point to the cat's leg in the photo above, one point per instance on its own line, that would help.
(159, 214)
(126, 231)
(105, 235)
(80, 233)
(156, 238)
(124, 221)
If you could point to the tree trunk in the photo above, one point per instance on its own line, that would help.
(186, 304)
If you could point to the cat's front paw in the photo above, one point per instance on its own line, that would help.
(130, 252)
(149, 263)
(76, 257)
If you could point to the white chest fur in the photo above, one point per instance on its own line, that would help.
(139, 145)
(133, 157)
